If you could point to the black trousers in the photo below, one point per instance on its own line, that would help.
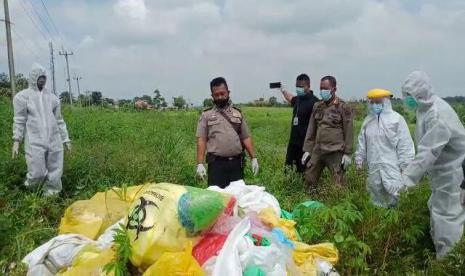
(294, 157)
(223, 170)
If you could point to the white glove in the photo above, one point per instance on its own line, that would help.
(305, 157)
(15, 150)
(346, 161)
(395, 190)
(462, 198)
(201, 171)
(255, 166)
(68, 146)
(407, 182)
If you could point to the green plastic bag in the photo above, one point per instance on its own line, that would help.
(304, 205)
(253, 270)
(285, 214)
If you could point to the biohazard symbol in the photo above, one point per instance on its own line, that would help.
(138, 215)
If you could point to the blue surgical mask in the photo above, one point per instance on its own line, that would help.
(300, 91)
(377, 108)
(325, 95)
(411, 102)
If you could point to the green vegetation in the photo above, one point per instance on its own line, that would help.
(117, 148)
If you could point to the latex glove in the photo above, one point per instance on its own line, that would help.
(395, 190)
(201, 171)
(15, 150)
(462, 198)
(305, 157)
(68, 146)
(346, 161)
(255, 166)
(407, 182)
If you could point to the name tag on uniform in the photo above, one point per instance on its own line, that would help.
(295, 121)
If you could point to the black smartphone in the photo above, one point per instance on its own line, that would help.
(274, 85)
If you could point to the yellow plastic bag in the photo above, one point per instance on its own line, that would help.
(167, 216)
(90, 262)
(269, 218)
(176, 264)
(92, 217)
(304, 256)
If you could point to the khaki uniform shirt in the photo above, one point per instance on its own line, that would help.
(330, 128)
(222, 138)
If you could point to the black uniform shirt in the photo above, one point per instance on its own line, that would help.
(303, 106)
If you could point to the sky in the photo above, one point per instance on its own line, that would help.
(127, 48)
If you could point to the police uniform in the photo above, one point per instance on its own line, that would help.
(302, 111)
(329, 136)
(224, 129)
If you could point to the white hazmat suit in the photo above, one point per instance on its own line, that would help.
(440, 140)
(37, 120)
(385, 144)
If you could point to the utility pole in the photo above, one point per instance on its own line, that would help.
(9, 42)
(79, 89)
(66, 54)
(52, 68)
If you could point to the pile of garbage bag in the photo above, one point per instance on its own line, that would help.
(182, 230)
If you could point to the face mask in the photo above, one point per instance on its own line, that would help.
(377, 108)
(410, 102)
(325, 95)
(300, 91)
(221, 103)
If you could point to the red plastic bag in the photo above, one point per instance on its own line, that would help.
(208, 247)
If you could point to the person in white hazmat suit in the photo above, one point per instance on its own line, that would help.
(385, 144)
(37, 120)
(440, 138)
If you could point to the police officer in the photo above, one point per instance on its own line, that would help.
(302, 110)
(223, 133)
(329, 138)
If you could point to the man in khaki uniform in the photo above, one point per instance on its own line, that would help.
(222, 132)
(329, 138)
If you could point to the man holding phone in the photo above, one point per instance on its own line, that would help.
(302, 104)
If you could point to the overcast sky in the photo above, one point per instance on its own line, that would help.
(126, 48)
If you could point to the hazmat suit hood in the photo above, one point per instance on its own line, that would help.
(387, 116)
(36, 72)
(418, 85)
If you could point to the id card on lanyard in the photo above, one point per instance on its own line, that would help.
(295, 121)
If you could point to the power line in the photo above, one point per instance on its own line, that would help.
(33, 21)
(26, 45)
(51, 20)
(40, 19)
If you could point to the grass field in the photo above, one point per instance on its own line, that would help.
(115, 147)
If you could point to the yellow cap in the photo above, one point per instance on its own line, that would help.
(378, 93)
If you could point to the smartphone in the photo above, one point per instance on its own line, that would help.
(274, 85)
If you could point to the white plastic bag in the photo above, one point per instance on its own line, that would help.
(41, 270)
(250, 198)
(58, 252)
(228, 261)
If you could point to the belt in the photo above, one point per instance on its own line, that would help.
(213, 157)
